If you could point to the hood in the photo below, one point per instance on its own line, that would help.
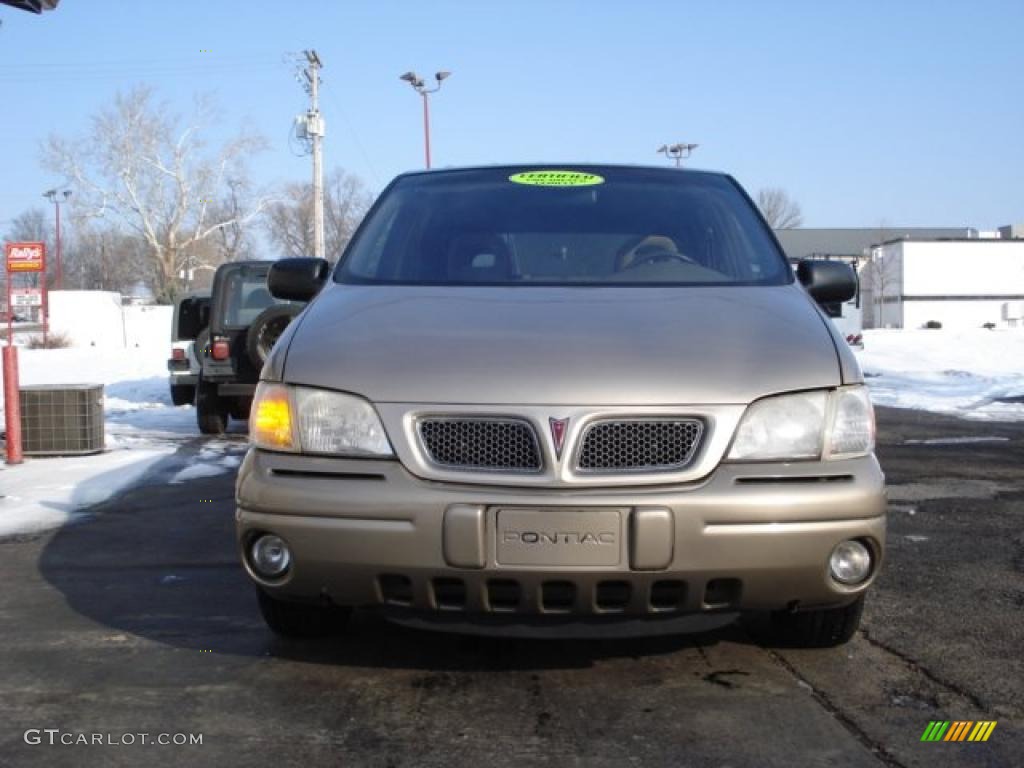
(562, 346)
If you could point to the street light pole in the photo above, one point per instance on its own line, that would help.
(52, 195)
(426, 127)
(420, 86)
(677, 151)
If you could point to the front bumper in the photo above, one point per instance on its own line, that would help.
(748, 537)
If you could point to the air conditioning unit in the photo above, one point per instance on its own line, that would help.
(62, 419)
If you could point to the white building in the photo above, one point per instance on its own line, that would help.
(958, 283)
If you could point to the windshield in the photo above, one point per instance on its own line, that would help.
(598, 226)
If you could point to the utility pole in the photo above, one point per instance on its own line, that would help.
(315, 132)
(677, 151)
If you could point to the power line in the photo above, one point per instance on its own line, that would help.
(72, 72)
(353, 134)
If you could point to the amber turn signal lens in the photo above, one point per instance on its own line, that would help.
(271, 421)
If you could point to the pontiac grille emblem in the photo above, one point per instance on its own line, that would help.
(558, 428)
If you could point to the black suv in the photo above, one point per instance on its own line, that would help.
(242, 324)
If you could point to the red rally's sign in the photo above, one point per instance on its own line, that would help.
(26, 257)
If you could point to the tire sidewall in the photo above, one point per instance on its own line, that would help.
(263, 319)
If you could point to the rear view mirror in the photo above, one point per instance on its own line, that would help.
(297, 279)
(828, 282)
(193, 316)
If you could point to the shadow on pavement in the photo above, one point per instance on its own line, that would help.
(159, 562)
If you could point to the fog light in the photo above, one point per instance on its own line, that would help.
(850, 562)
(270, 556)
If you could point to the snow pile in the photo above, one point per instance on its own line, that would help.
(141, 424)
(47, 493)
(97, 319)
(88, 318)
(974, 374)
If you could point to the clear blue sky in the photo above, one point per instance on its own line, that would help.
(905, 112)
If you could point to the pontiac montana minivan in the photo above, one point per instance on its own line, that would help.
(546, 393)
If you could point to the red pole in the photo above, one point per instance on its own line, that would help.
(10, 312)
(45, 306)
(426, 128)
(60, 268)
(12, 405)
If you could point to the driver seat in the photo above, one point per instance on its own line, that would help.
(479, 258)
(635, 250)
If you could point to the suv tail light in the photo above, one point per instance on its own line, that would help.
(220, 350)
(177, 354)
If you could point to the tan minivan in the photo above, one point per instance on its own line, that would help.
(530, 394)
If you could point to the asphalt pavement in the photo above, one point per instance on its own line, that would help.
(139, 621)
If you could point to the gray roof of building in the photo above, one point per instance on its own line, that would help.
(803, 242)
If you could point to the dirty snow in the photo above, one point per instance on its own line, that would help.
(127, 352)
(973, 374)
(47, 493)
(211, 461)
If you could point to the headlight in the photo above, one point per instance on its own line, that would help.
(853, 423)
(315, 421)
(808, 425)
(330, 422)
(783, 427)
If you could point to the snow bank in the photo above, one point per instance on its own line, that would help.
(974, 374)
(142, 426)
(47, 493)
(97, 319)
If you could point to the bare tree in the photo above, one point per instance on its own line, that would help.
(289, 222)
(779, 209)
(104, 258)
(233, 241)
(152, 171)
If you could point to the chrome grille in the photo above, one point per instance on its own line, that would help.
(639, 445)
(483, 443)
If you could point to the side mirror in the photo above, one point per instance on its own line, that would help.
(828, 282)
(297, 279)
(193, 316)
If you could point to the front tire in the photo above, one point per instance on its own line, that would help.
(211, 410)
(822, 628)
(290, 619)
(183, 394)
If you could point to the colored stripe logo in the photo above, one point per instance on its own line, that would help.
(958, 730)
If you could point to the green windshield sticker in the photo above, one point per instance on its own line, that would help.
(556, 179)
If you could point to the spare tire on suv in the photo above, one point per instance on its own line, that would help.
(266, 329)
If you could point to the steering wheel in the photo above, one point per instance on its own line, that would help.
(653, 257)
